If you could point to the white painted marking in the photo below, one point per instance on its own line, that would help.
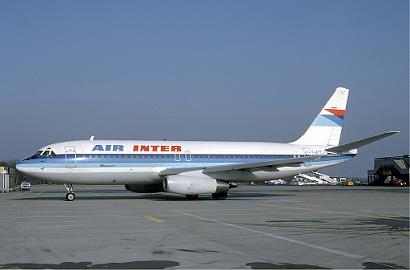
(301, 243)
(270, 214)
(20, 194)
(224, 209)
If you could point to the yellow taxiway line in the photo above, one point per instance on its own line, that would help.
(153, 219)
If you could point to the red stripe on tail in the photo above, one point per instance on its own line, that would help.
(340, 113)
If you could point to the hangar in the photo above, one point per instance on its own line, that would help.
(390, 171)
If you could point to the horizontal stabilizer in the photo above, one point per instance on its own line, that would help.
(357, 144)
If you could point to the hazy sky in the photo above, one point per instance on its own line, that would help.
(202, 70)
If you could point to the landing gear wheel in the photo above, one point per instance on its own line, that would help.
(192, 197)
(220, 196)
(70, 196)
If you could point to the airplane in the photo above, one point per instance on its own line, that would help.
(191, 168)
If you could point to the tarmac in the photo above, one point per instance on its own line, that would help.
(257, 227)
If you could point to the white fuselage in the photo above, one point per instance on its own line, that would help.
(131, 162)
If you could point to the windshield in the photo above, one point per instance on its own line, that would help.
(42, 154)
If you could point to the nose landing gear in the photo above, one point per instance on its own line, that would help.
(70, 196)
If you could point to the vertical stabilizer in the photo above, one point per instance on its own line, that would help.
(327, 126)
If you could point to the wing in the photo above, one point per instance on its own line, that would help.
(252, 166)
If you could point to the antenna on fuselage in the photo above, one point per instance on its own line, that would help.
(92, 138)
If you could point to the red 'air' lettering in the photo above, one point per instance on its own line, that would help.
(144, 148)
(164, 148)
(135, 149)
(175, 148)
(154, 148)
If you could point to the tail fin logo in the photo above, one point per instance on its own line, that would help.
(327, 126)
(329, 118)
(338, 113)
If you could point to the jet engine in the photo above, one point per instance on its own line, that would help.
(193, 185)
(145, 188)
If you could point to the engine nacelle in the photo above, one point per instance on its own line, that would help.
(192, 185)
(145, 188)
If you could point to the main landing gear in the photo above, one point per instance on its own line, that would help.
(220, 196)
(70, 196)
(215, 196)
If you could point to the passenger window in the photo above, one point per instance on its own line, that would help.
(188, 156)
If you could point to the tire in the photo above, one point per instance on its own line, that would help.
(220, 196)
(192, 197)
(70, 197)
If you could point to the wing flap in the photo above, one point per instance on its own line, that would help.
(241, 166)
(258, 165)
(174, 171)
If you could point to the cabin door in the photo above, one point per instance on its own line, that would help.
(70, 157)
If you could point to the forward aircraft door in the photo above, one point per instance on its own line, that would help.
(70, 157)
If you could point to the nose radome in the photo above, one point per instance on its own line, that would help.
(20, 167)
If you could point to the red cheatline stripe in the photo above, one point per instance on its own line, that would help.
(337, 112)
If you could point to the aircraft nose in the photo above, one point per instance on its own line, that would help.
(25, 167)
(20, 167)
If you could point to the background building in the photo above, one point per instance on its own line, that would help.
(8, 179)
(390, 171)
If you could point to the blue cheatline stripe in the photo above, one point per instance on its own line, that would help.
(81, 161)
(156, 157)
(328, 121)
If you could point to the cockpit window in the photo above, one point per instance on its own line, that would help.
(48, 153)
(43, 153)
(36, 155)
